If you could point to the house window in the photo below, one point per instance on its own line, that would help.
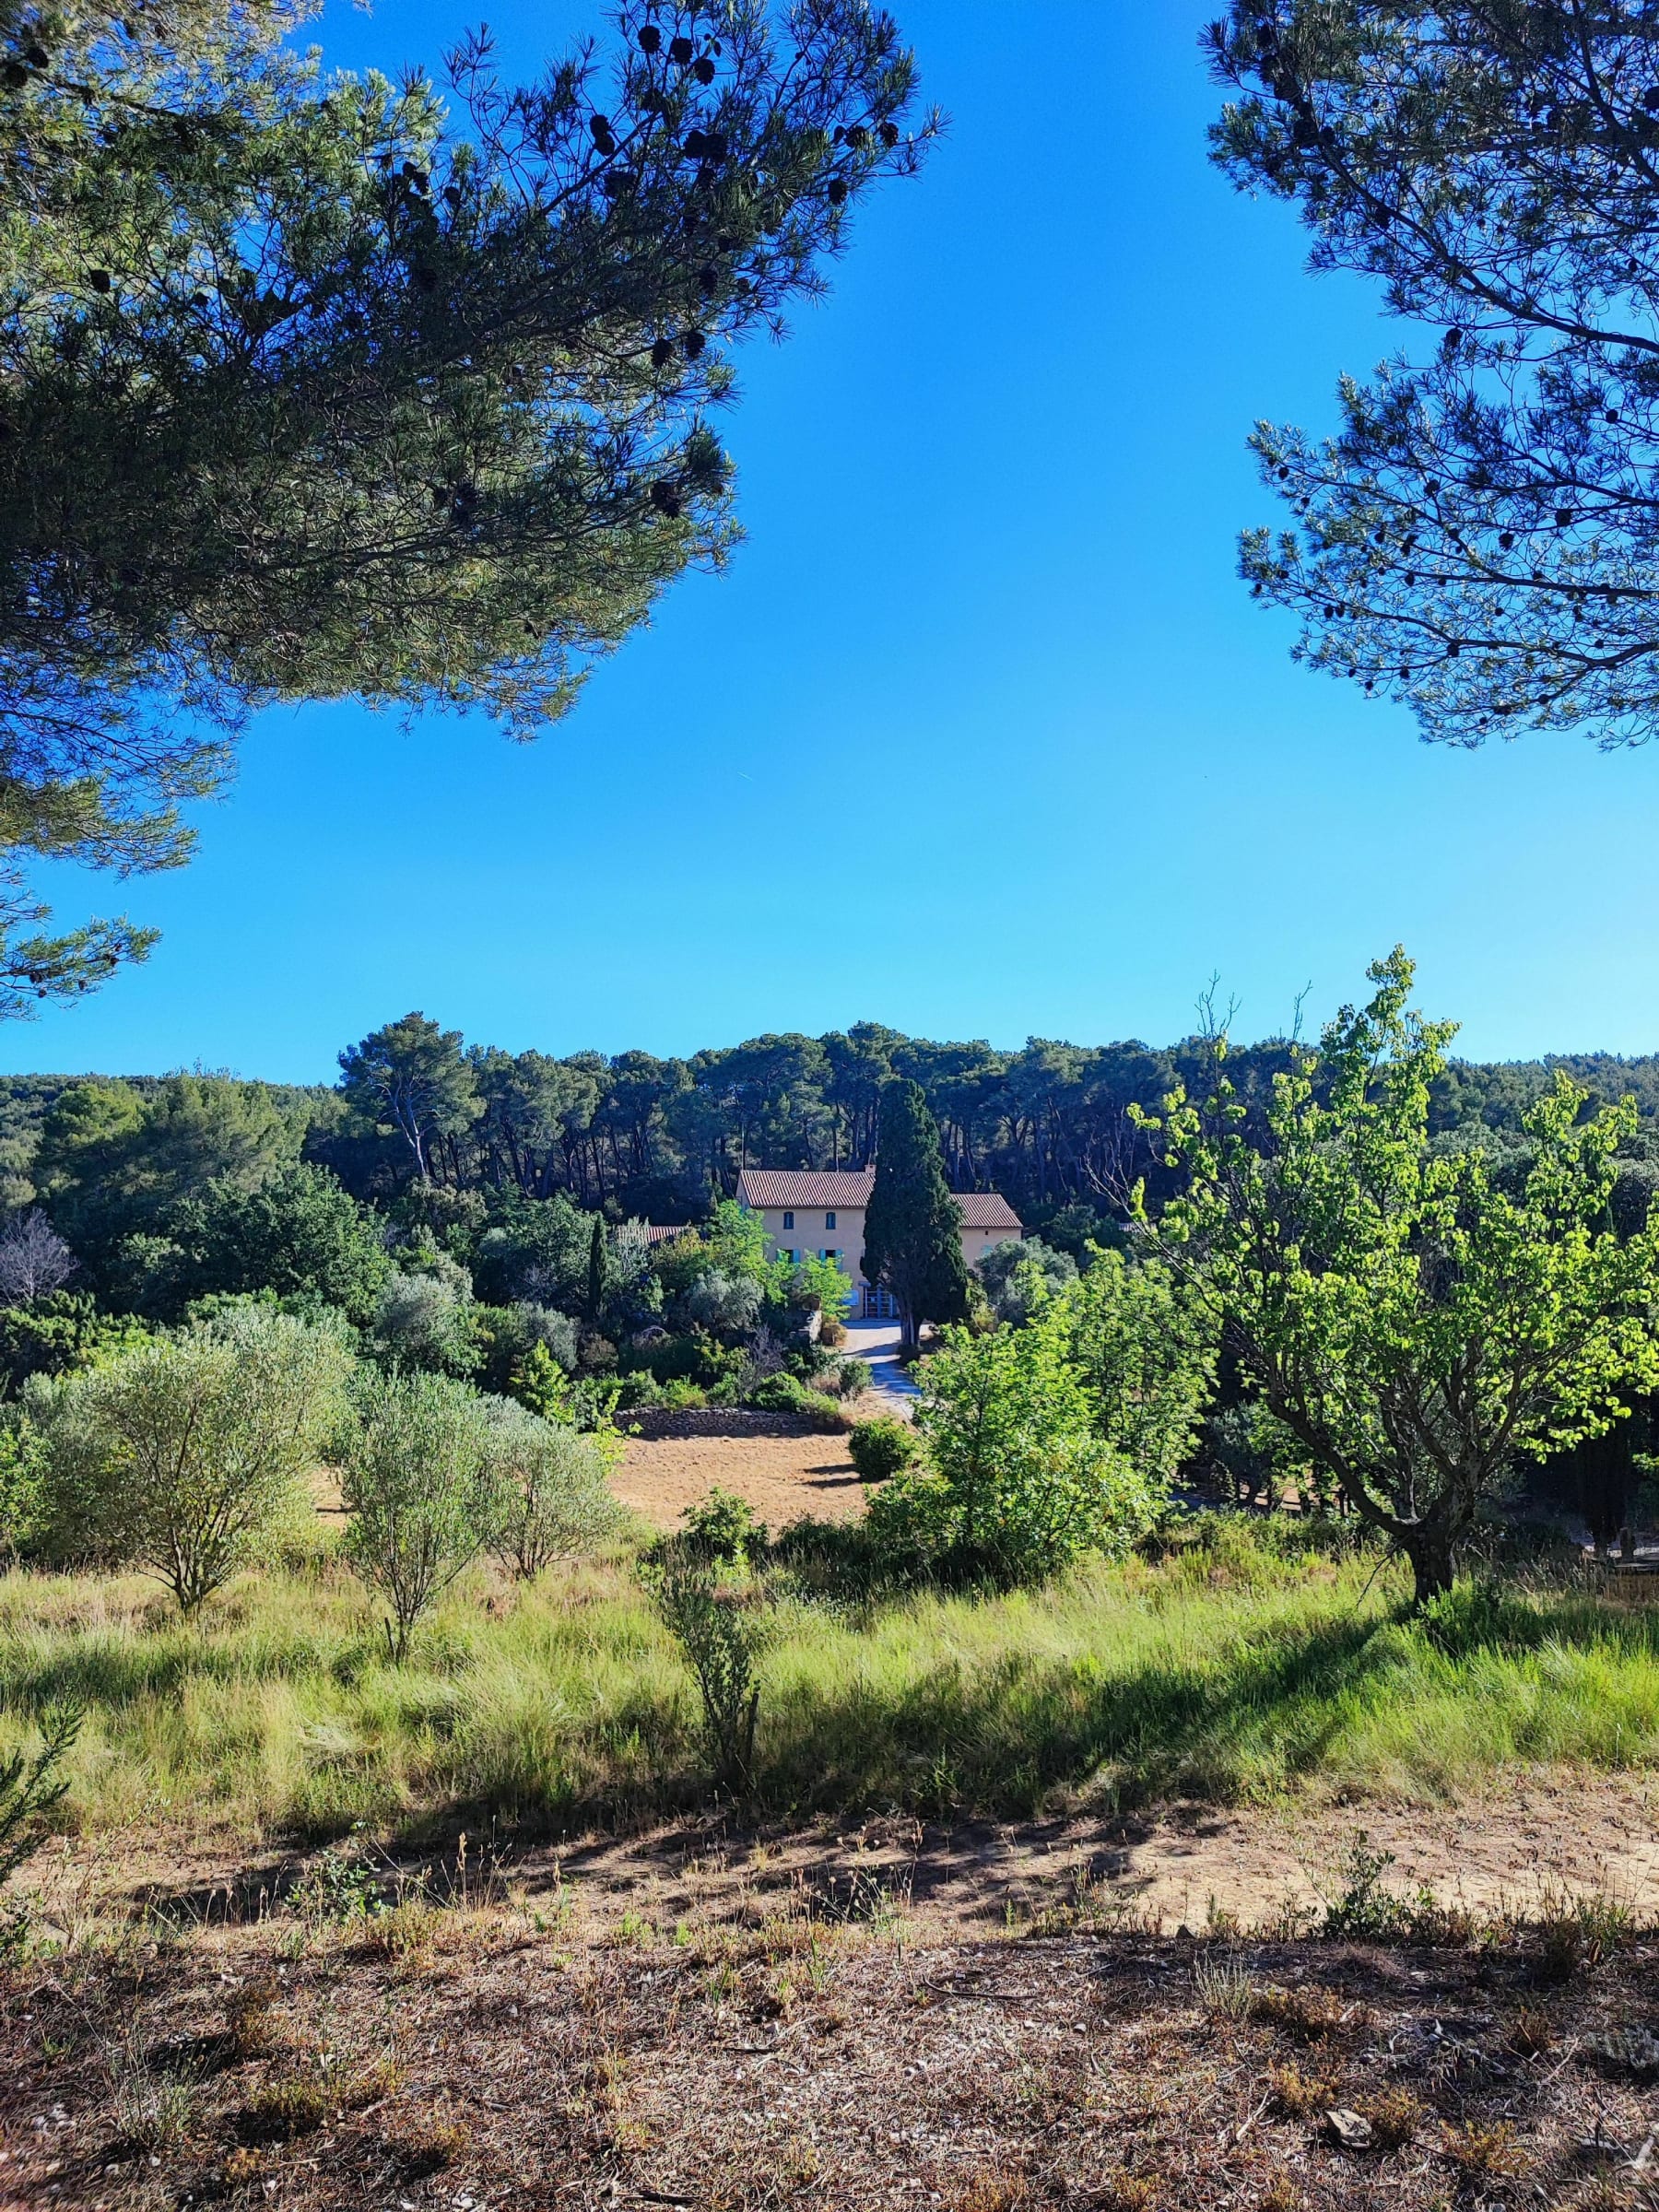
(829, 1220)
(789, 1220)
(787, 1256)
(831, 1253)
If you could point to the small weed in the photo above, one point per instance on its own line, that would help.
(1530, 2033)
(282, 2111)
(428, 2145)
(1225, 1989)
(1305, 2015)
(1126, 2192)
(1281, 2194)
(242, 2167)
(1299, 2095)
(1578, 1932)
(633, 1928)
(1395, 2116)
(1483, 2153)
(151, 2112)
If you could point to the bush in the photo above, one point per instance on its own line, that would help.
(555, 1499)
(719, 1301)
(427, 1321)
(422, 1485)
(722, 1526)
(852, 1378)
(31, 1787)
(186, 1456)
(785, 1394)
(883, 1448)
(717, 1636)
(1009, 1425)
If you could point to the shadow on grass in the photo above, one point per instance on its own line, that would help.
(1001, 1740)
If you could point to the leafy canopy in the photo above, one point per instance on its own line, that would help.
(1415, 1328)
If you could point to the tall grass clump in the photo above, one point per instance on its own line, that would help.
(1235, 1665)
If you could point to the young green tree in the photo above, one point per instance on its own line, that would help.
(183, 1454)
(1147, 1352)
(314, 385)
(912, 1229)
(1011, 1431)
(555, 1497)
(1478, 539)
(420, 1480)
(1415, 1329)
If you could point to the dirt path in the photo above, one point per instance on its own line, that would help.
(784, 1478)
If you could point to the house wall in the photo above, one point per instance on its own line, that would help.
(811, 1234)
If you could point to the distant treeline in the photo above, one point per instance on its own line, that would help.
(1050, 1126)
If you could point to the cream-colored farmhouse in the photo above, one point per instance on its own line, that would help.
(804, 1212)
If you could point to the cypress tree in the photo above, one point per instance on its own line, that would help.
(913, 1227)
(595, 1284)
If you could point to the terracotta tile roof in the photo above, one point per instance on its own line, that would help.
(851, 1188)
(794, 1186)
(657, 1232)
(987, 1209)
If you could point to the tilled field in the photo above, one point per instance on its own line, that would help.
(426, 2058)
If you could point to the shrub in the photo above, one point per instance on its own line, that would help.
(185, 1456)
(422, 1485)
(426, 1321)
(684, 1397)
(722, 1526)
(786, 1394)
(717, 1636)
(719, 1301)
(31, 1787)
(555, 1499)
(883, 1448)
(1009, 1425)
(852, 1378)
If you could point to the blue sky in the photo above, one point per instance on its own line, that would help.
(979, 734)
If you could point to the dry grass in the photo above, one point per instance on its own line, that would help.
(530, 2054)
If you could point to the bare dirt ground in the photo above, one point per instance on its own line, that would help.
(784, 1478)
(824, 2052)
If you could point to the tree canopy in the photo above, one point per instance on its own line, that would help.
(1411, 1329)
(1479, 540)
(320, 384)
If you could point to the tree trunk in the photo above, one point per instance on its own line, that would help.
(1433, 1562)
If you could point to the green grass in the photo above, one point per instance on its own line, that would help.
(1231, 1670)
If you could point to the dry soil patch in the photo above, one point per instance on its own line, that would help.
(784, 1479)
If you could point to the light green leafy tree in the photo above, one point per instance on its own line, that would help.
(555, 1498)
(1024, 1481)
(184, 1454)
(1146, 1351)
(1415, 1329)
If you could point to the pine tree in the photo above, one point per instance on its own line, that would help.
(1477, 538)
(320, 386)
(913, 1227)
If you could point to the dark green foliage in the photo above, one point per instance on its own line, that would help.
(883, 1448)
(116, 1163)
(413, 1078)
(723, 1527)
(300, 1235)
(912, 1230)
(314, 389)
(59, 1333)
(595, 1270)
(1470, 541)
(30, 1788)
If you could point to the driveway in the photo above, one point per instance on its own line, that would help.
(878, 1341)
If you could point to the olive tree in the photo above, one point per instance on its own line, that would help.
(420, 1479)
(553, 1497)
(1415, 1329)
(183, 1455)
